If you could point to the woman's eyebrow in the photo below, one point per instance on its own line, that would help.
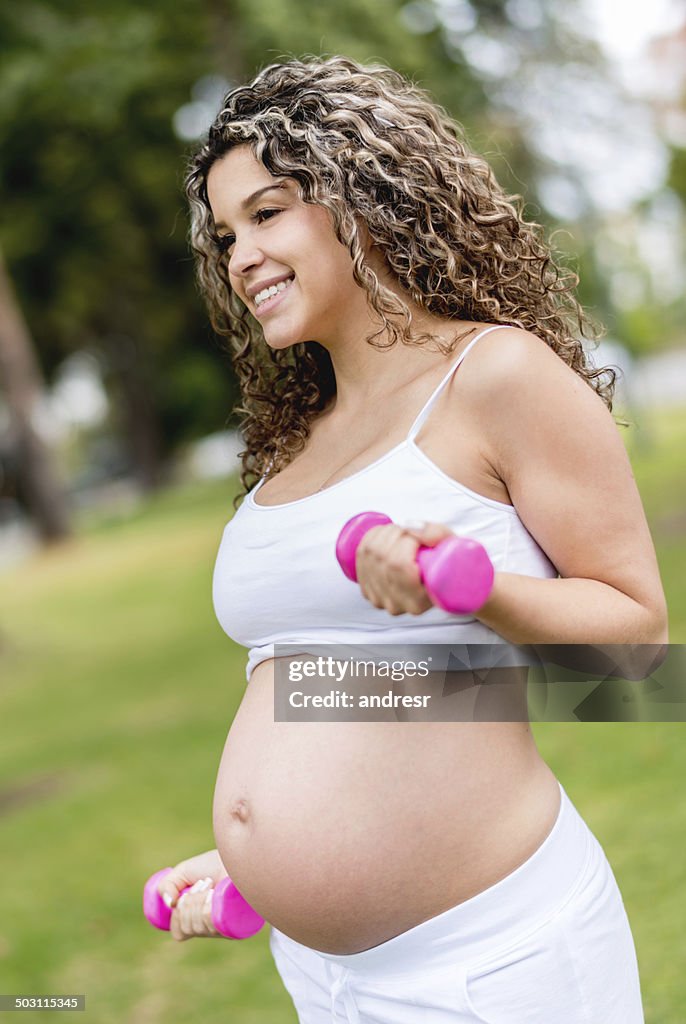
(247, 203)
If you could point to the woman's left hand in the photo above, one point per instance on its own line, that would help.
(386, 565)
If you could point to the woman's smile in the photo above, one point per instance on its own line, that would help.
(266, 300)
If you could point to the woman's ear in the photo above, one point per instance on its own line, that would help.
(374, 256)
(365, 237)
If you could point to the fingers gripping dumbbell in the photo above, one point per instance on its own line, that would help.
(232, 916)
(457, 573)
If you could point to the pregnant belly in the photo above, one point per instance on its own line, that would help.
(344, 834)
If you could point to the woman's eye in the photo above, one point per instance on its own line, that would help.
(224, 242)
(265, 214)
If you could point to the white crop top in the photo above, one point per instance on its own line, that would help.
(277, 580)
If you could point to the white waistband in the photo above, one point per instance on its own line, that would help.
(492, 919)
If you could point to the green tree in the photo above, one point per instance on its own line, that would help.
(91, 169)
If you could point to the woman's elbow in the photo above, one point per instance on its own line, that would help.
(639, 657)
(655, 643)
(658, 631)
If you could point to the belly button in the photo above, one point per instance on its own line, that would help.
(240, 810)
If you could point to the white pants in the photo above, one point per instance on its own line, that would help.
(548, 944)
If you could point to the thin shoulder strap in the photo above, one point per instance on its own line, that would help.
(426, 409)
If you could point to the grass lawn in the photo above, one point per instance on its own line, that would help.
(117, 690)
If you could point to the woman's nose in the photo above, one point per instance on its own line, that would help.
(244, 257)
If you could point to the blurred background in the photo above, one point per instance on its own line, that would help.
(118, 452)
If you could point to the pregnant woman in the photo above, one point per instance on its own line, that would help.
(405, 342)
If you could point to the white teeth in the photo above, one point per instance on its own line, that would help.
(267, 293)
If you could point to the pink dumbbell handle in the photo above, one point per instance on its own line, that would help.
(232, 915)
(457, 573)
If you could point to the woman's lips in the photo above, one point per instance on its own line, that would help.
(272, 301)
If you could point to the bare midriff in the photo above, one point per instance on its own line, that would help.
(345, 834)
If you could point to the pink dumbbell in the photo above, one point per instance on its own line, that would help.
(457, 573)
(232, 916)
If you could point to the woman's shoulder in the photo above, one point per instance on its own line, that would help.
(505, 345)
(508, 361)
(516, 387)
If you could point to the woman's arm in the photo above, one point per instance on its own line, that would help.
(558, 450)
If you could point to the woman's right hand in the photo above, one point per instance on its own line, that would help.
(191, 913)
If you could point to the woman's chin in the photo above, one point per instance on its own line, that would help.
(280, 340)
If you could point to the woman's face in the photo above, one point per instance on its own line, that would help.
(274, 237)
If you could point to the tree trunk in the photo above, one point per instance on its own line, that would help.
(23, 386)
(226, 36)
(136, 413)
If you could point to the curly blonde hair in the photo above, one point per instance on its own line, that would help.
(364, 142)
